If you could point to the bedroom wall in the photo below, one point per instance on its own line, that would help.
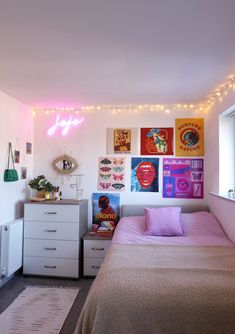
(16, 126)
(88, 142)
(224, 209)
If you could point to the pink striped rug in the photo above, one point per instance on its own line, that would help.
(39, 310)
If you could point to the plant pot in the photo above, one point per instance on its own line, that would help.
(40, 194)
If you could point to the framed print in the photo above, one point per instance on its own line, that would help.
(28, 148)
(23, 172)
(122, 140)
(105, 207)
(156, 141)
(111, 173)
(144, 174)
(189, 136)
(182, 178)
(16, 156)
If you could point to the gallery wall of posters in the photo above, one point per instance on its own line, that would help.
(156, 141)
(182, 178)
(111, 174)
(189, 136)
(122, 140)
(144, 174)
(105, 207)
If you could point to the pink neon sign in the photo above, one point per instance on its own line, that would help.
(65, 125)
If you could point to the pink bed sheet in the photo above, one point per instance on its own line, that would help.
(200, 228)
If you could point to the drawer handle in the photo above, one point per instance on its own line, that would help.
(95, 248)
(49, 267)
(50, 248)
(50, 230)
(50, 213)
(95, 267)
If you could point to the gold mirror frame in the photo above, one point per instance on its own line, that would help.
(69, 164)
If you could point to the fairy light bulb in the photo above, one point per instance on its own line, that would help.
(215, 97)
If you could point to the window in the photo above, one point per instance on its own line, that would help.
(227, 151)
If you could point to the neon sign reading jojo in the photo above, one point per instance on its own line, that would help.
(65, 125)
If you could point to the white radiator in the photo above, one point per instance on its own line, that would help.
(11, 247)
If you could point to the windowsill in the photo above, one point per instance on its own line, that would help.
(222, 196)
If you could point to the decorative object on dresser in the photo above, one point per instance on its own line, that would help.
(52, 237)
(94, 250)
(43, 187)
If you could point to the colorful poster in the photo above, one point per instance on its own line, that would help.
(16, 156)
(122, 141)
(157, 141)
(189, 136)
(105, 207)
(28, 148)
(144, 174)
(111, 174)
(182, 178)
(23, 172)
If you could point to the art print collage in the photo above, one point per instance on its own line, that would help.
(176, 151)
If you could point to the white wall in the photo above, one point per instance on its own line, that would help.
(16, 126)
(88, 142)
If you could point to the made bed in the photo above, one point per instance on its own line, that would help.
(164, 284)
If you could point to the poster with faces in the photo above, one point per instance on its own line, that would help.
(182, 178)
(144, 174)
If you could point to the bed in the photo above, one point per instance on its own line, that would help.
(164, 284)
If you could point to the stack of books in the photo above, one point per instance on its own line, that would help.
(105, 231)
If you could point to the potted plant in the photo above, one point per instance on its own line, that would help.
(42, 185)
(230, 193)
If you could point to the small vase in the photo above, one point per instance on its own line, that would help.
(47, 195)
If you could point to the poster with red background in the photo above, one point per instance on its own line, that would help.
(157, 141)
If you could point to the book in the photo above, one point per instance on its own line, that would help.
(105, 231)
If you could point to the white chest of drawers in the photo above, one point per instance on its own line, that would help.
(95, 248)
(53, 238)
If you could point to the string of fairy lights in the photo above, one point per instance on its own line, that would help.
(215, 97)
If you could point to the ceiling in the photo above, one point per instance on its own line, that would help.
(115, 52)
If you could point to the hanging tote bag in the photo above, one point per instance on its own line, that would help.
(10, 175)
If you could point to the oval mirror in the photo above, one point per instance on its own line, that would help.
(65, 164)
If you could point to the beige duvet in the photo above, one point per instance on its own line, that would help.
(145, 289)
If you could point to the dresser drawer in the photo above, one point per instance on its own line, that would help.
(51, 248)
(51, 266)
(50, 212)
(51, 230)
(96, 248)
(91, 266)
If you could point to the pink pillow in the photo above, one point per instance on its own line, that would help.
(163, 221)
